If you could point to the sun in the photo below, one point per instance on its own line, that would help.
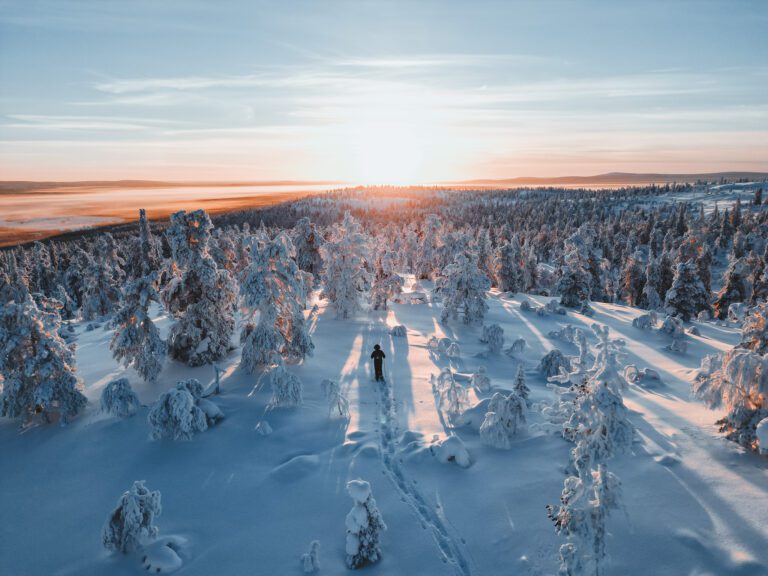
(388, 153)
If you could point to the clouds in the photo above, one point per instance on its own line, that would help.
(487, 90)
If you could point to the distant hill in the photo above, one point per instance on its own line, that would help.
(17, 186)
(617, 178)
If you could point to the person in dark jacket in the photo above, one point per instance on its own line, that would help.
(378, 362)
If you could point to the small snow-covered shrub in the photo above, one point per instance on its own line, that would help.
(176, 413)
(646, 321)
(364, 526)
(567, 333)
(337, 402)
(673, 326)
(553, 307)
(309, 560)
(286, 387)
(480, 380)
(678, 345)
(736, 312)
(453, 351)
(521, 388)
(552, 362)
(694, 331)
(131, 521)
(439, 346)
(517, 346)
(525, 306)
(398, 331)
(119, 399)
(493, 335)
(505, 418)
(704, 316)
(452, 449)
(646, 377)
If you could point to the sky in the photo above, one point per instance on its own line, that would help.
(380, 92)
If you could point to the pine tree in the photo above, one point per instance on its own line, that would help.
(520, 387)
(687, 296)
(200, 295)
(426, 259)
(736, 287)
(307, 240)
(37, 366)
(507, 267)
(364, 526)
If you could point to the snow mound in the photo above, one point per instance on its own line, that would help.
(452, 449)
(473, 417)
(295, 468)
(162, 556)
(359, 490)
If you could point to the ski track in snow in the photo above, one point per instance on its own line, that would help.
(449, 549)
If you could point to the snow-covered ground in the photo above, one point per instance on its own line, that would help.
(242, 503)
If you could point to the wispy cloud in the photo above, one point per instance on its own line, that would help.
(48, 122)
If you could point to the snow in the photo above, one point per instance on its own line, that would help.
(245, 502)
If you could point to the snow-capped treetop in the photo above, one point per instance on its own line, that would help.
(462, 287)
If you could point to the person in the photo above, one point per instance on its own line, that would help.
(378, 362)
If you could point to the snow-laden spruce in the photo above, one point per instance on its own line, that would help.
(272, 286)
(119, 399)
(101, 279)
(131, 523)
(462, 288)
(575, 283)
(37, 366)
(307, 240)
(199, 295)
(387, 284)
(687, 296)
(505, 419)
(286, 387)
(181, 412)
(738, 380)
(364, 526)
(136, 341)
(345, 261)
(552, 362)
(507, 266)
(520, 387)
(310, 563)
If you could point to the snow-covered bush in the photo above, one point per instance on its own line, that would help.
(310, 563)
(462, 287)
(131, 522)
(517, 346)
(398, 331)
(645, 321)
(673, 326)
(453, 351)
(286, 387)
(37, 366)
(119, 399)
(364, 526)
(505, 419)
(551, 363)
(736, 312)
(645, 377)
(761, 433)
(176, 413)
(552, 307)
(481, 380)
(567, 333)
(525, 306)
(493, 335)
(678, 345)
(452, 449)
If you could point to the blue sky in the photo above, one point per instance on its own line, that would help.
(380, 91)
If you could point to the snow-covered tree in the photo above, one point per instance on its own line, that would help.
(520, 387)
(650, 299)
(364, 526)
(505, 418)
(37, 366)
(574, 286)
(493, 335)
(427, 258)
(176, 413)
(462, 287)
(337, 401)
(200, 296)
(119, 399)
(481, 380)
(286, 387)
(736, 287)
(387, 284)
(687, 296)
(272, 286)
(307, 240)
(131, 523)
(345, 275)
(136, 341)
(453, 396)
(507, 266)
